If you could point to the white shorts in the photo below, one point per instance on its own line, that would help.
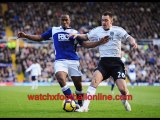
(71, 67)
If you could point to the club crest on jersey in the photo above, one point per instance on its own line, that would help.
(63, 37)
(111, 34)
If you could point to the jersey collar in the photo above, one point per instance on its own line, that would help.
(64, 28)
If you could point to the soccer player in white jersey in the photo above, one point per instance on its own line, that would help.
(35, 69)
(132, 73)
(110, 63)
(66, 61)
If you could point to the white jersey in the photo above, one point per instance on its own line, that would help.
(113, 47)
(35, 69)
(132, 68)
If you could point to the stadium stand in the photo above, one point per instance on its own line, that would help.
(140, 19)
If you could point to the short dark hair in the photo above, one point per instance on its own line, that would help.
(34, 60)
(109, 13)
(65, 13)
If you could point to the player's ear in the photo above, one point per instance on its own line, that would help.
(111, 20)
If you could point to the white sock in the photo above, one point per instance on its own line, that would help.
(90, 91)
(33, 84)
(36, 84)
(78, 92)
(64, 88)
(123, 101)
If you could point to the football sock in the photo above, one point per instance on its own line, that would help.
(124, 100)
(79, 95)
(67, 92)
(36, 84)
(90, 91)
(112, 86)
(33, 84)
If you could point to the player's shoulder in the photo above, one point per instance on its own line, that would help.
(56, 28)
(73, 30)
(118, 28)
(97, 28)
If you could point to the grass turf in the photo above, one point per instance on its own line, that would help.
(14, 103)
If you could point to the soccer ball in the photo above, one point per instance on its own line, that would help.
(69, 105)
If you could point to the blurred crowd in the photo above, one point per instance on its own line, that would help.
(7, 73)
(44, 55)
(140, 19)
(2, 24)
(146, 59)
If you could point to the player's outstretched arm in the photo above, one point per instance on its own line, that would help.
(89, 44)
(132, 42)
(30, 37)
(79, 36)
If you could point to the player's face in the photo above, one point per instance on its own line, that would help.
(106, 22)
(65, 21)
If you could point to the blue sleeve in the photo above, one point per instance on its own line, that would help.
(46, 35)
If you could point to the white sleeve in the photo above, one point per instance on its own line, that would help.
(75, 32)
(29, 69)
(124, 34)
(92, 35)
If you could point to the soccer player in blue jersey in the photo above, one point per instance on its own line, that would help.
(66, 59)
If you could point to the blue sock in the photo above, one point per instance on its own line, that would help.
(67, 92)
(112, 86)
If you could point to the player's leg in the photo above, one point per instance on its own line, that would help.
(132, 83)
(122, 86)
(112, 85)
(96, 80)
(100, 74)
(36, 83)
(118, 74)
(76, 76)
(33, 82)
(77, 80)
(133, 79)
(61, 74)
(61, 78)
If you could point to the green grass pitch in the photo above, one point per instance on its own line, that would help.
(14, 103)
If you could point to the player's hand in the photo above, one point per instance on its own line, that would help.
(74, 36)
(21, 35)
(135, 46)
(104, 40)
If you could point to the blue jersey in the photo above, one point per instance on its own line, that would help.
(65, 46)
